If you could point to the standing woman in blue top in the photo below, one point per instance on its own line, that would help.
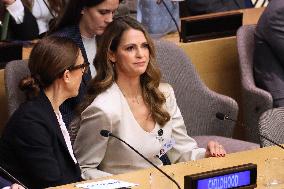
(35, 146)
(83, 21)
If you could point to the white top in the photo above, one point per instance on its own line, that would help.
(65, 135)
(39, 10)
(90, 45)
(99, 156)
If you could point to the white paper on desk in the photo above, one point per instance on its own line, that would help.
(106, 184)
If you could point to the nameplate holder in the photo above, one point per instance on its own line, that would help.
(210, 26)
(241, 176)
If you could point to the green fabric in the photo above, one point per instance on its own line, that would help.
(4, 27)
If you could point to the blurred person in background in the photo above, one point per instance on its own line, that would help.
(156, 19)
(268, 62)
(31, 19)
(84, 21)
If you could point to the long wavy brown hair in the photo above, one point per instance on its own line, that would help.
(56, 5)
(106, 74)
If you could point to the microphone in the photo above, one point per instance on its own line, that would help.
(106, 133)
(172, 17)
(11, 177)
(222, 116)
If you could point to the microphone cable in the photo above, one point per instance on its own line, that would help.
(174, 20)
(106, 133)
(222, 117)
(12, 177)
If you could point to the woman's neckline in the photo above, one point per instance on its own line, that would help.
(132, 115)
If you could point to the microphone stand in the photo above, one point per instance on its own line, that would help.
(271, 141)
(168, 10)
(12, 177)
(222, 116)
(110, 134)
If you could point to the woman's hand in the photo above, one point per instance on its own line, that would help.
(7, 2)
(214, 149)
(16, 186)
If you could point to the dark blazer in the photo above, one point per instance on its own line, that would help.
(33, 148)
(28, 30)
(196, 7)
(67, 109)
(269, 51)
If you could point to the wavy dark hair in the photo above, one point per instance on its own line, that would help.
(72, 12)
(106, 74)
(49, 58)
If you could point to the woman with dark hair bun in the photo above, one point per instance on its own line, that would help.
(35, 146)
(83, 21)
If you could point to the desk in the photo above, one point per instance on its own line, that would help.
(257, 156)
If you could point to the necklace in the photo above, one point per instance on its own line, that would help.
(135, 99)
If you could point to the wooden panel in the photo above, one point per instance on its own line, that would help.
(27, 48)
(26, 52)
(3, 102)
(251, 16)
(216, 62)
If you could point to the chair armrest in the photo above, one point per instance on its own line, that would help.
(226, 105)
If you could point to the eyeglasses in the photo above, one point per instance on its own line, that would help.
(84, 67)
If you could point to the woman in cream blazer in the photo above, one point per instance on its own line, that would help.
(127, 98)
